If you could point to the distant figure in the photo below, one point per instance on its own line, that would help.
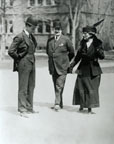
(60, 52)
(22, 51)
(86, 90)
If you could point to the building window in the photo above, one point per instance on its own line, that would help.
(112, 5)
(6, 26)
(57, 2)
(48, 2)
(32, 2)
(40, 2)
(0, 3)
(40, 27)
(11, 2)
(47, 27)
(10, 26)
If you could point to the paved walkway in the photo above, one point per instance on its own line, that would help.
(49, 127)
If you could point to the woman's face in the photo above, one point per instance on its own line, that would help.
(86, 35)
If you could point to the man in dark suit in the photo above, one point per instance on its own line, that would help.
(60, 52)
(22, 51)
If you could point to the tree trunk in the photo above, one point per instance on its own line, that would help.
(73, 35)
(2, 52)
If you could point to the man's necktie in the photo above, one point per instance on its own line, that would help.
(30, 37)
(56, 37)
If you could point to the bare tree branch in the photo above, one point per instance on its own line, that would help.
(89, 3)
(71, 14)
(75, 14)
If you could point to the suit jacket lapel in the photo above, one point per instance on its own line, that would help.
(52, 45)
(34, 40)
(57, 42)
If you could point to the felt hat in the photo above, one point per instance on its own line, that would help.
(31, 21)
(57, 24)
(92, 29)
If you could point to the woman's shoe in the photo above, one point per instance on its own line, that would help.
(90, 111)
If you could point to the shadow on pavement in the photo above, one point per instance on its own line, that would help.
(65, 107)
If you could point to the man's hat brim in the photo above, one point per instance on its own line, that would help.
(31, 21)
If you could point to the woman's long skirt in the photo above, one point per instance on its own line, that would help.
(86, 91)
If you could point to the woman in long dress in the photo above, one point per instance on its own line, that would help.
(86, 90)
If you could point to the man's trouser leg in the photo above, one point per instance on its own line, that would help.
(31, 86)
(59, 82)
(23, 75)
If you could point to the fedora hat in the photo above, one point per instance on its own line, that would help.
(31, 21)
(57, 25)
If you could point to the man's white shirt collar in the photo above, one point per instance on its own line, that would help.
(26, 32)
(57, 37)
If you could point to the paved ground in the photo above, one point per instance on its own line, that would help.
(48, 127)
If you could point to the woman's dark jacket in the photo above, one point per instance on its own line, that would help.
(89, 64)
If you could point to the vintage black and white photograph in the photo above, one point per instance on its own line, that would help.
(56, 71)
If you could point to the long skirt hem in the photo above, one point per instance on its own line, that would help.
(86, 92)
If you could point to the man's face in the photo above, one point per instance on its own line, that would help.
(31, 29)
(57, 31)
(86, 35)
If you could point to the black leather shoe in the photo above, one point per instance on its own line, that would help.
(52, 107)
(89, 110)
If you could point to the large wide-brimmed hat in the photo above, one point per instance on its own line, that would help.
(92, 29)
(89, 29)
(31, 21)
